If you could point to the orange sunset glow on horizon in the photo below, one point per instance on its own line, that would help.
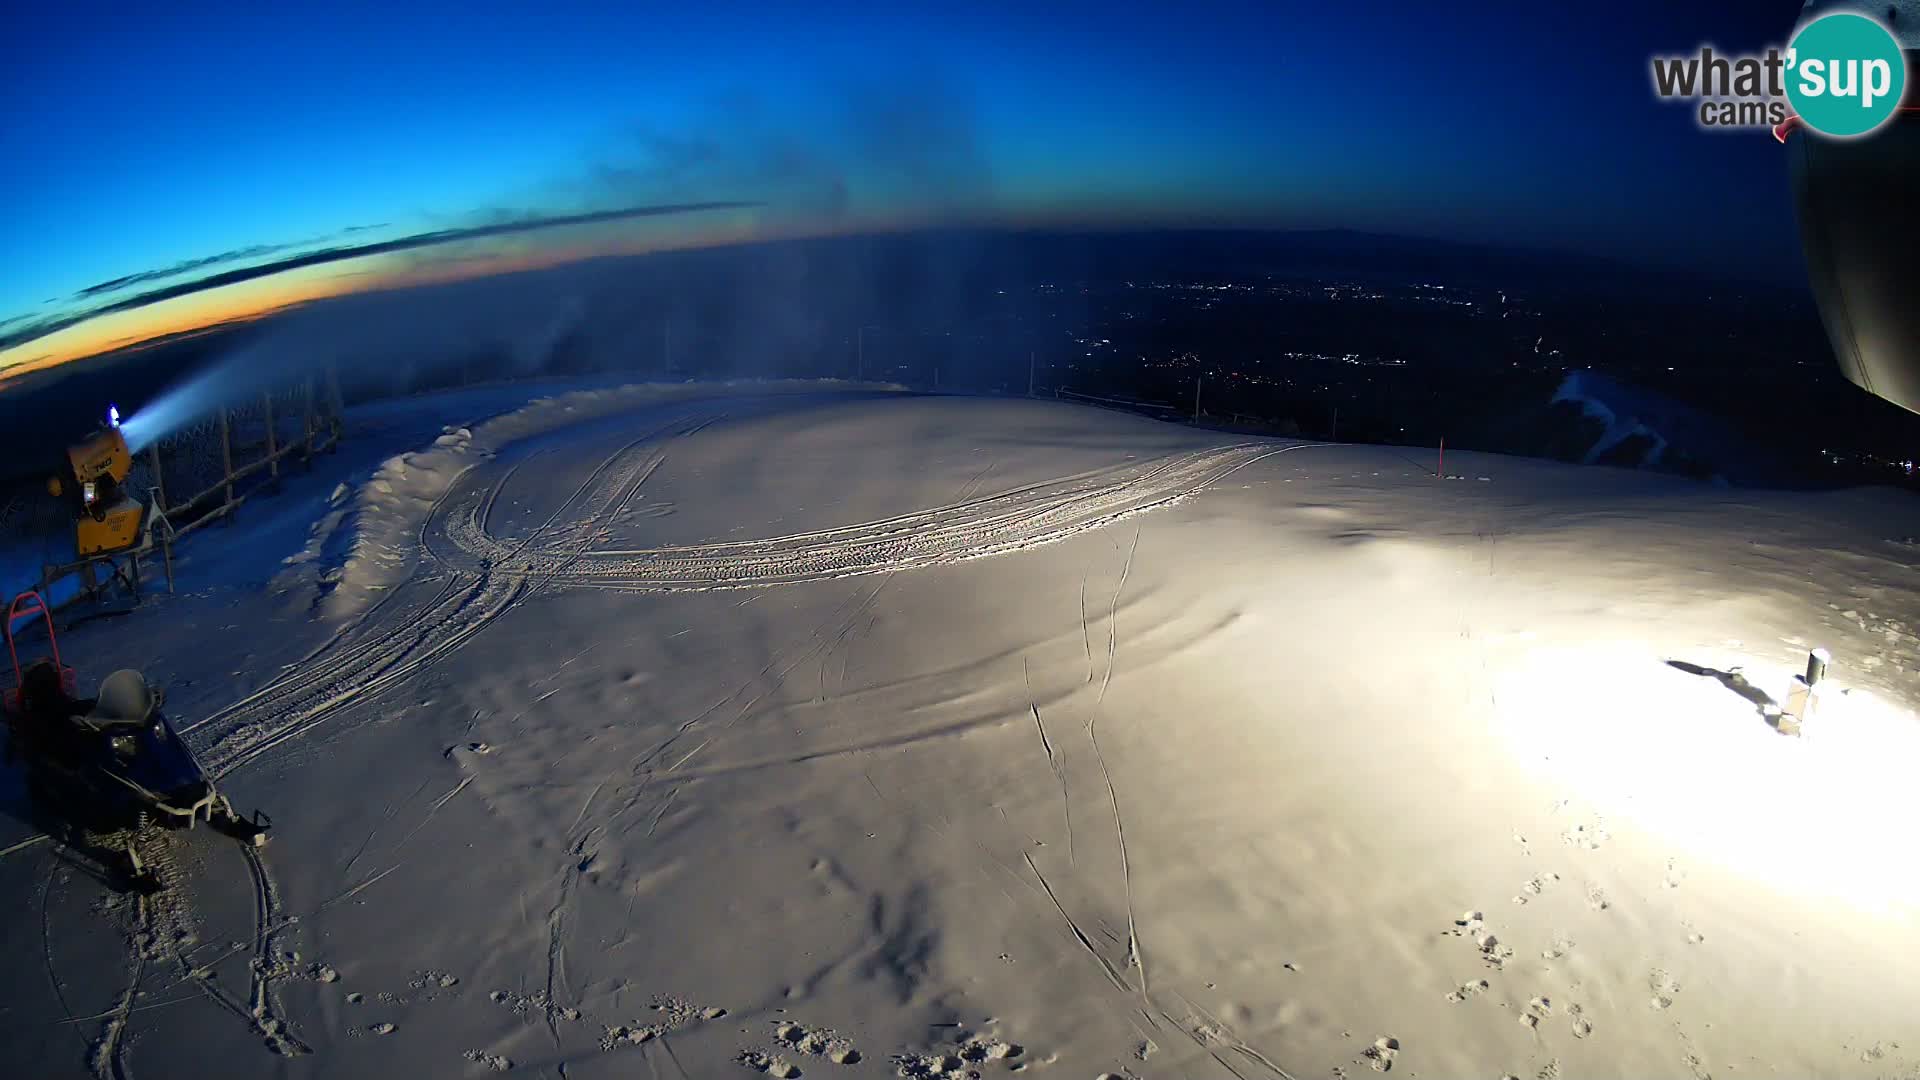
(276, 293)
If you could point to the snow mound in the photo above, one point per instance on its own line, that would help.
(367, 543)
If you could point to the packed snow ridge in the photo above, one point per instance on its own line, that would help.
(376, 527)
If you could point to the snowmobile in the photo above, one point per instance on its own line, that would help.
(110, 765)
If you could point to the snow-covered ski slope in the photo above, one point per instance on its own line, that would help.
(710, 732)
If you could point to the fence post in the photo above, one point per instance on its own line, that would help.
(159, 523)
(336, 405)
(273, 456)
(226, 461)
(306, 423)
(159, 481)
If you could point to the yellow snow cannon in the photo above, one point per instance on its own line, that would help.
(106, 518)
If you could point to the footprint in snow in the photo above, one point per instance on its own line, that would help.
(1664, 988)
(1494, 954)
(1382, 1053)
(771, 1064)
(962, 1058)
(1534, 887)
(817, 1041)
(1582, 1027)
(1586, 836)
(491, 1061)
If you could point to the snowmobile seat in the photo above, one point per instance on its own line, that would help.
(44, 693)
(125, 701)
(46, 721)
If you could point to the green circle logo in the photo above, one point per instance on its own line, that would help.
(1845, 74)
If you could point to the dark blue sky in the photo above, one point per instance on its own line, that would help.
(138, 143)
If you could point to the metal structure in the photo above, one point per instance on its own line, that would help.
(101, 571)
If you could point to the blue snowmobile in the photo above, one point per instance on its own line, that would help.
(112, 764)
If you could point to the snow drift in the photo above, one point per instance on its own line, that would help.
(851, 735)
(372, 529)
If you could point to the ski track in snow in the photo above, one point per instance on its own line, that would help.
(1208, 1034)
(1011, 521)
(477, 578)
(483, 577)
(356, 666)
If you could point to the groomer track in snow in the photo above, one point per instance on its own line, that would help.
(689, 733)
(478, 577)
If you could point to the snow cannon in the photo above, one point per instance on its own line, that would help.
(1860, 224)
(107, 519)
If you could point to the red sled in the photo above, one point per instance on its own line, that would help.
(26, 606)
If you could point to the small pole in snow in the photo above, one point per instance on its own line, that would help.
(1442, 473)
(1196, 396)
(1817, 662)
(1336, 425)
(336, 406)
(159, 478)
(1029, 372)
(306, 425)
(273, 451)
(226, 461)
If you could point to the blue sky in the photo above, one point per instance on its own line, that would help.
(137, 142)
